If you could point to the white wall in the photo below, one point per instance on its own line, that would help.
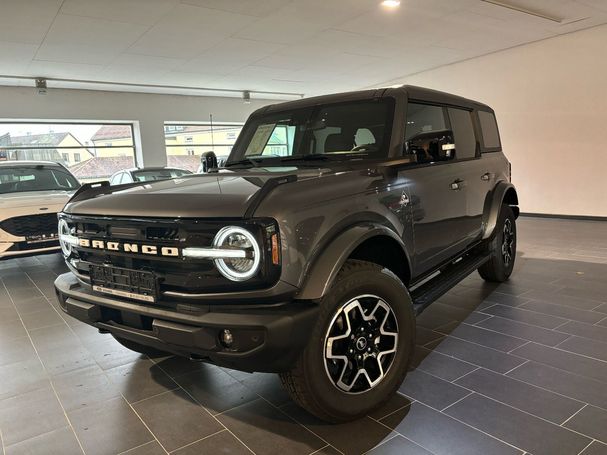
(550, 98)
(147, 111)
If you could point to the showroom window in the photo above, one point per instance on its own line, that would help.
(463, 130)
(491, 137)
(185, 143)
(91, 151)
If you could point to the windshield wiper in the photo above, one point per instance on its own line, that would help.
(314, 157)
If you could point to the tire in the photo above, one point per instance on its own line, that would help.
(319, 383)
(502, 248)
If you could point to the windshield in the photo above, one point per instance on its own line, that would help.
(158, 174)
(334, 131)
(39, 178)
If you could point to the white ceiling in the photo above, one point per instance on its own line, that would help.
(296, 46)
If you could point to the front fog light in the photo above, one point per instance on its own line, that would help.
(226, 338)
(238, 269)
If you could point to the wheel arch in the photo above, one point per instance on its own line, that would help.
(371, 242)
(503, 193)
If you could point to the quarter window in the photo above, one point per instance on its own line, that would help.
(491, 138)
(463, 130)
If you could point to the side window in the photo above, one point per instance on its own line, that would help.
(423, 118)
(116, 179)
(463, 130)
(491, 137)
(126, 178)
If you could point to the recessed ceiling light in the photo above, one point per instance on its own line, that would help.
(391, 3)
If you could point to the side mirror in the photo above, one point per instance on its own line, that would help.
(208, 161)
(432, 146)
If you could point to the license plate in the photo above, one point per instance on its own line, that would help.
(127, 283)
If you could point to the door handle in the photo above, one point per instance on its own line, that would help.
(457, 184)
(486, 176)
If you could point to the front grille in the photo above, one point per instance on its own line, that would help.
(31, 225)
(174, 274)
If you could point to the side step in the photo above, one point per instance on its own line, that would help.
(431, 290)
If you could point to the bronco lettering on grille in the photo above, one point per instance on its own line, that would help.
(151, 250)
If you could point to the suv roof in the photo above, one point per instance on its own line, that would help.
(411, 91)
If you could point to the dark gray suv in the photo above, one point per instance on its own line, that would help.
(334, 222)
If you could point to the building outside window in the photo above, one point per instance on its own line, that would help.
(92, 151)
(185, 143)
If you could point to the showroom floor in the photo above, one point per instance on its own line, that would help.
(520, 367)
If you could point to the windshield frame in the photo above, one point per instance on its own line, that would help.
(40, 167)
(238, 155)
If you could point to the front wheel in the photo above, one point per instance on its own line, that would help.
(359, 350)
(502, 248)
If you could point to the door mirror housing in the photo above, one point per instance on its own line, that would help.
(208, 161)
(431, 146)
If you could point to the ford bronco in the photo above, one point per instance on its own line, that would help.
(333, 223)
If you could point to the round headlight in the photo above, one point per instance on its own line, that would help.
(64, 230)
(238, 269)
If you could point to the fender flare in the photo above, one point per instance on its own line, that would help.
(330, 257)
(503, 192)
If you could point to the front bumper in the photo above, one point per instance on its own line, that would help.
(22, 249)
(267, 339)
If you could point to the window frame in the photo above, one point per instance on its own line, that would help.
(445, 107)
(191, 144)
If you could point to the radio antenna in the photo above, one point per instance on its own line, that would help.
(212, 138)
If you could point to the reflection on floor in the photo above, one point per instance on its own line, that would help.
(520, 367)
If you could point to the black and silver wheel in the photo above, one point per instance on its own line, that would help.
(502, 248)
(360, 344)
(359, 351)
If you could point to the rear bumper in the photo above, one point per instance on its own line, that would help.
(267, 339)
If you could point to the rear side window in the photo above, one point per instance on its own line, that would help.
(463, 132)
(491, 137)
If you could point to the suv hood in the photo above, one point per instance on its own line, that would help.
(52, 200)
(221, 195)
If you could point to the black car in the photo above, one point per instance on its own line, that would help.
(336, 220)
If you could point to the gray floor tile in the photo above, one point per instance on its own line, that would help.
(574, 363)
(176, 419)
(520, 429)
(220, 443)
(215, 389)
(584, 346)
(140, 379)
(111, 427)
(266, 385)
(590, 421)
(398, 401)
(431, 390)
(399, 446)
(150, 448)
(524, 331)
(569, 384)
(528, 317)
(265, 429)
(488, 338)
(442, 435)
(424, 336)
(39, 319)
(30, 414)
(479, 355)
(57, 442)
(110, 354)
(16, 350)
(62, 360)
(596, 448)
(506, 299)
(593, 332)
(86, 387)
(573, 314)
(560, 298)
(440, 365)
(21, 377)
(534, 400)
(350, 438)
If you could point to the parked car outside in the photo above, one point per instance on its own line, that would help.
(147, 174)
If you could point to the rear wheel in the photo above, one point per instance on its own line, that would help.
(502, 248)
(359, 350)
